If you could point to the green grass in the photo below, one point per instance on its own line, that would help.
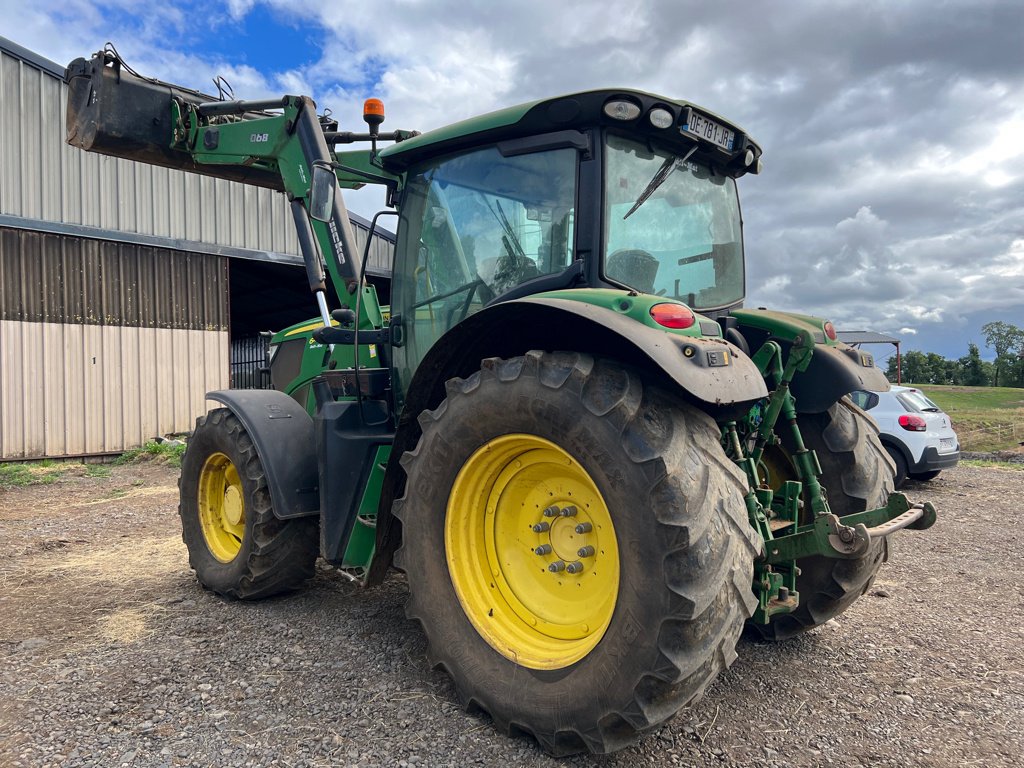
(993, 464)
(16, 475)
(46, 471)
(153, 451)
(985, 418)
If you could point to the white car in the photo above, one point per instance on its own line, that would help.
(917, 434)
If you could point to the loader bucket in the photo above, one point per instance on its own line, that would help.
(114, 112)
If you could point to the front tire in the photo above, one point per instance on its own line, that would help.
(663, 595)
(235, 544)
(858, 475)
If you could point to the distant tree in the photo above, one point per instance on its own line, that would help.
(1007, 340)
(921, 368)
(939, 370)
(951, 369)
(916, 367)
(974, 372)
(891, 369)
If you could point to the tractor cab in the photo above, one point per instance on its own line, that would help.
(617, 190)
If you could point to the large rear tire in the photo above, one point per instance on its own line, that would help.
(583, 660)
(858, 475)
(235, 544)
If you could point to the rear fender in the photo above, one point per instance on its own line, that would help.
(283, 434)
(709, 371)
(835, 369)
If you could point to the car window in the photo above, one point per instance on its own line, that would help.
(916, 401)
(865, 400)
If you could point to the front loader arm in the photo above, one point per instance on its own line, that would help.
(116, 112)
(289, 144)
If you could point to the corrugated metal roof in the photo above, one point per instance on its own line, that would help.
(865, 337)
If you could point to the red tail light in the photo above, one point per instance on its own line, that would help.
(672, 315)
(830, 330)
(913, 423)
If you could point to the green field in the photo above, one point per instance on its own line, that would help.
(985, 418)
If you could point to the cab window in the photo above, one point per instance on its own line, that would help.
(475, 226)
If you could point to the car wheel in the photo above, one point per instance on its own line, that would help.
(899, 476)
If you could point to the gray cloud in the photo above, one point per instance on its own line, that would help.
(893, 193)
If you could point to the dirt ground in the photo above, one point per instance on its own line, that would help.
(113, 655)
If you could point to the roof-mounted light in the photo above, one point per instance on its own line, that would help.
(748, 158)
(661, 118)
(373, 114)
(620, 109)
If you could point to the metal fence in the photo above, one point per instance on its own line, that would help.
(1002, 432)
(248, 359)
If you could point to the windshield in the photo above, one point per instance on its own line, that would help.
(672, 226)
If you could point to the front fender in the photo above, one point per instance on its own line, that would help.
(284, 438)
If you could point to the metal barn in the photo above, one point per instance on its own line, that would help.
(127, 290)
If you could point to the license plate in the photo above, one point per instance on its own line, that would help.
(708, 129)
(946, 443)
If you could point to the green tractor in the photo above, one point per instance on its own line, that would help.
(594, 467)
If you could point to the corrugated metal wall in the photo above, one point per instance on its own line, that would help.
(60, 279)
(105, 345)
(74, 390)
(44, 178)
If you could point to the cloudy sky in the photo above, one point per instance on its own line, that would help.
(893, 192)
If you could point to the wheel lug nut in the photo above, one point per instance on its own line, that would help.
(557, 566)
(574, 567)
(543, 549)
(551, 512)
(587, 551)
(569, 512)
(584, 528)
(542, 526)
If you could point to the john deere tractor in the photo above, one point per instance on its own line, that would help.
(594, 466)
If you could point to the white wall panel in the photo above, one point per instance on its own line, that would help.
(73, 390)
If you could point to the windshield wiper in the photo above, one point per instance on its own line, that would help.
(670, 164)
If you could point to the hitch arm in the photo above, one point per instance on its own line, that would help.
(849, 537)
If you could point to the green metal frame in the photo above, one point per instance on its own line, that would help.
(776, 514)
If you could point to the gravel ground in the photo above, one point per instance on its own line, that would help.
(114, 656)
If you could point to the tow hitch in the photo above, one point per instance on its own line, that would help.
(850, 536)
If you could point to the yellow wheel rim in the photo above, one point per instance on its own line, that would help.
(221, 507)
(540, 587)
